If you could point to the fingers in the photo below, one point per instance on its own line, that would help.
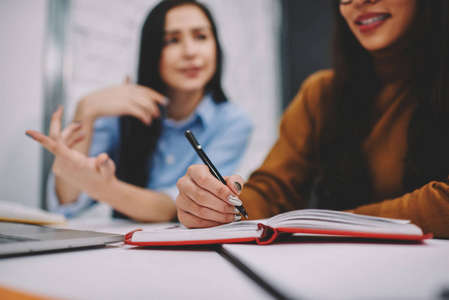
(193, 215)
(72, 135)
(204, 201)
(70, 130)
(55, 124)
(235, 183)
(139, 113)
(55, 147)
(75, 139)
(143, 102)
(191, 221)
(151, 94)
(148, 107)
(203, 178)
(203, 198)
(141, 107)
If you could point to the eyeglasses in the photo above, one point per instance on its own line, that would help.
(343, 2)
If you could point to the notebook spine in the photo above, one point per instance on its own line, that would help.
(268, 235)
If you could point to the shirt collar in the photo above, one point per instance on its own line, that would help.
(205, 111)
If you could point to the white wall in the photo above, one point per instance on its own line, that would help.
(22, 33)
(250, 36)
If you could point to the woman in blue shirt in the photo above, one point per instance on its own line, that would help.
(134, 134)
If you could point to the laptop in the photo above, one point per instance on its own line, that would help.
(20, 238)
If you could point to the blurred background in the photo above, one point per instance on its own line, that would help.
(53, 52)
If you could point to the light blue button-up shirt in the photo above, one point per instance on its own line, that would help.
(223, 130)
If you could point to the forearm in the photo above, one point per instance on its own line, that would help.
(86, 116)
(427, 207)
(140, 204)
(65, 191)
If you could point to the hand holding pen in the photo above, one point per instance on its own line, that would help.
(205, 199)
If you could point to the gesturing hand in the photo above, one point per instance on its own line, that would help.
(91, 174)
(125, 99)
(204, 201)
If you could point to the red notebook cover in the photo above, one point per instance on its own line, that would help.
(269, 235)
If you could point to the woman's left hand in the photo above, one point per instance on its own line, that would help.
(90, 174)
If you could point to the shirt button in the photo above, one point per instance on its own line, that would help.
(170, 159)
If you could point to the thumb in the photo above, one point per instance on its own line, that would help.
(105, 165)
(127, 79)
(101, 160)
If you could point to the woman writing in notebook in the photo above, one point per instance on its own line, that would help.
(369, 136)
(135, 137)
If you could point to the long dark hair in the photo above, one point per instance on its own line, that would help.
(138, 141)
(348, 110)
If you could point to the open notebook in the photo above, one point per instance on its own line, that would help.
(306, 221)
(17, 212)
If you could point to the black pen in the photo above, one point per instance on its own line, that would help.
(199, 150)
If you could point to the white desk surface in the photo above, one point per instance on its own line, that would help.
(122, 272)
(351, 270)
(300, 270)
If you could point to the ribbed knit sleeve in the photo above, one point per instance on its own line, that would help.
(427, 207)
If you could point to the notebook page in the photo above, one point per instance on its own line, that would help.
(336, 220)
(180, 233)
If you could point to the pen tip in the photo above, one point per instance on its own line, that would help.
(243, 211)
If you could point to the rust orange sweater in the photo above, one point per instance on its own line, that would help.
(286, 177)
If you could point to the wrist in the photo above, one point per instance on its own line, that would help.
(85, 111)
(107, 191)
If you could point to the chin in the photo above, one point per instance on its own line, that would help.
(373, 48)
(374, 45)
(191, 87)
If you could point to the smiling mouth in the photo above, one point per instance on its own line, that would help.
(191, 72)
(372, 20)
